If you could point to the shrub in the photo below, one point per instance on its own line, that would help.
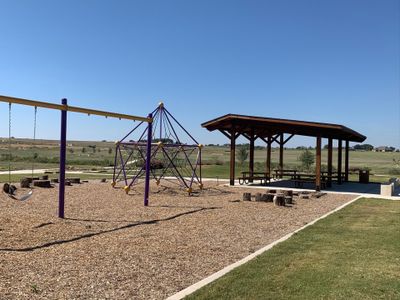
(242, 155)
(307, 159)
(394, 171)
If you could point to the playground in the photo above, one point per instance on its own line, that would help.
(200, 150)
(154, 227)
(111, 246)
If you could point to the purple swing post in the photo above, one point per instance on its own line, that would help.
(63, 152)
(64, 108)
(148, 166)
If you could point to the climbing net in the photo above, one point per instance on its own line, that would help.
(170, 158)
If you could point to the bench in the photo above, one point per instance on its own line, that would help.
(334, 176)
(280, 173)
(248, 177)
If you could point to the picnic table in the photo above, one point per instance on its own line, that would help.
(284, 172)
(300, 178)
(335, 175)
(249, 177)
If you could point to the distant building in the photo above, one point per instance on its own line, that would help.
(384, 149)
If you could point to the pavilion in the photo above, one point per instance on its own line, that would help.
(272, 130)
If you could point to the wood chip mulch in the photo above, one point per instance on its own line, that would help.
(112, 247)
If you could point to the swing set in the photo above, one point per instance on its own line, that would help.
(9, 187)
(64, 108)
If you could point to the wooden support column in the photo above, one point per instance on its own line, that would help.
(251, 158)
(346, 162)
(339, 166)
(268, 163)
(329, 181)
(281, 154)
(318, 165)
(233, 158)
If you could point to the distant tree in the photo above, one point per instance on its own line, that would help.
(83, 150)
(35, 155)
(110, 150)
(164, 141)
(307, 159)
(93, 147)
(301, 148)
(242, 154)
(326, 146)
(365, 147)
(70, 150)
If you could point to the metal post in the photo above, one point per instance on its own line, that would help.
(148, 156)
(329, 181)
(233, 157)
(281, 155)
(339, 167)
(63, 152)
(251, 159)
(346, 162)
(268, 164)
(161, 125)
(201, 181)
(318, 165)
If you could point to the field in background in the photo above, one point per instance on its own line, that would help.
(95, 156)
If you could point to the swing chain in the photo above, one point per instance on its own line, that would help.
(9, 143)
(34, 140)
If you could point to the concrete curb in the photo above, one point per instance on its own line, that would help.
(191, 289)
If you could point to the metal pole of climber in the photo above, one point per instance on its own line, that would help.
(63, 154)
(148, 157)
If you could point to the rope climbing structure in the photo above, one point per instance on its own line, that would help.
(175, 155)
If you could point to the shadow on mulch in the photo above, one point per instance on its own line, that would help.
(89, 235)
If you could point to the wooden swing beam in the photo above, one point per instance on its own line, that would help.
(72, 109)
(64, 108)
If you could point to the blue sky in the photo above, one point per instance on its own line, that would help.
(328, 61)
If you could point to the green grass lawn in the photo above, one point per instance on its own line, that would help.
(352, 254)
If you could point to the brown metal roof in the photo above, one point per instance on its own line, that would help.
(264, 127)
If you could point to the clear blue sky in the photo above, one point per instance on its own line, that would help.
(330, 61)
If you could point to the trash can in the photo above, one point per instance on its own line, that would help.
(363, 176)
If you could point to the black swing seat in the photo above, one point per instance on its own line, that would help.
(23, 197)
(9, 191)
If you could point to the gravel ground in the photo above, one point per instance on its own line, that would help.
(111, 247)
